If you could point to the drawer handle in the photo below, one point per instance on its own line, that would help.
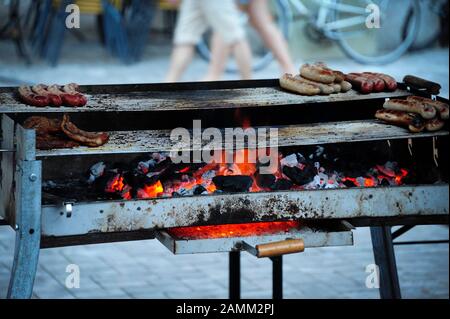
(284, 247)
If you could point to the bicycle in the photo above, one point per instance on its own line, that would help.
(347, 23)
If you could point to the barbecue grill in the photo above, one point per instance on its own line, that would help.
(140, 118)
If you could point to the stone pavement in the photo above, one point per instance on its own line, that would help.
(146, 269)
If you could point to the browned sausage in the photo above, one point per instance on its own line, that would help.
(410, 120)
(297, 85)
(378, 84)
(41, 89)
(360, 83)
(28, 97)
(442, 108)
(85, 138)
(317, 74)
(427, 112)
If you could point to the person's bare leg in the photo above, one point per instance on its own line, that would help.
(243, 56)
(219, 57)
(262, 21)
(182, 55)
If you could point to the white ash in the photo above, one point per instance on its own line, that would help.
(292, 160)
(96, 171)
(208, 176)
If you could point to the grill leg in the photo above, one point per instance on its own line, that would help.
(277, 277)
(384, 255)
(27, 219)
(235, 275)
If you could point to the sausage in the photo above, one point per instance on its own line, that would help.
(28, 97)
(378, 84)
(389, 81)
(72, 88)
(337, 87)
(410, 120)
(345, 86)
(295, 84)
(324, 88)
(41, 89)
(339, 76)
(83, 137)
(71, 100)
(442, 108)
(317, 74)
(434, 125)
(42, 125)
(48, 142)
(427, 112)
(360, 83)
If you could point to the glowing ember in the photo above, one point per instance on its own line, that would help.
(151, 191)
(293, 172)
(233, 230)
(115, 184)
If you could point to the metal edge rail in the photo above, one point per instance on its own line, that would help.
(159, 213)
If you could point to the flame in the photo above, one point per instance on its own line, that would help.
(115, 184)
(151, 191)
(233, 230)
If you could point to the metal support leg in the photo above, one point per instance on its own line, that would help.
(277, 277)
(235, 275)
(384, 254)
(27, 196)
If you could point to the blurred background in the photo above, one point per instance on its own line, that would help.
(130, 41)
(120, 42)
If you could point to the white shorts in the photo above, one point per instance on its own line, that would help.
(197, 16)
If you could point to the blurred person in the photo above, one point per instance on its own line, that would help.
(261, 19)
(195, 17)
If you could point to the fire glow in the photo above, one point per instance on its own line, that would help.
(233, 230)
(156, 176)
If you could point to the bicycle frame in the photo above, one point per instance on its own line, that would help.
(328, 7)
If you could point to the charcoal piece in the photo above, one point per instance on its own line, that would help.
(101, 183)
(199, 189)
(349, 183)
(298, 176)
(265, 180)
(385, 182)
(233, 183)
(282, 185)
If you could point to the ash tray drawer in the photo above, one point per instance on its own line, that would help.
(226, 238)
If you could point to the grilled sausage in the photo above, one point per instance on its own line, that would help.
(297, 85)
(83, 137)
(70, 100)
(378, 84)
(434, 125)
(426, 111)
(339, 76)
(28, 97)
(337, 87)
(41, 89)
(360, 83)
(389, 81)
(72, 88)
(442, 108)
(42, 124)
(410, 120)
(48, 142)
(345, 86)
(317, 74)
(324, 88)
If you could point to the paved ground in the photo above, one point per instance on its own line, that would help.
(146, 269)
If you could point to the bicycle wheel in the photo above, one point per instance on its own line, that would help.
(261, 56)
(380, 44)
